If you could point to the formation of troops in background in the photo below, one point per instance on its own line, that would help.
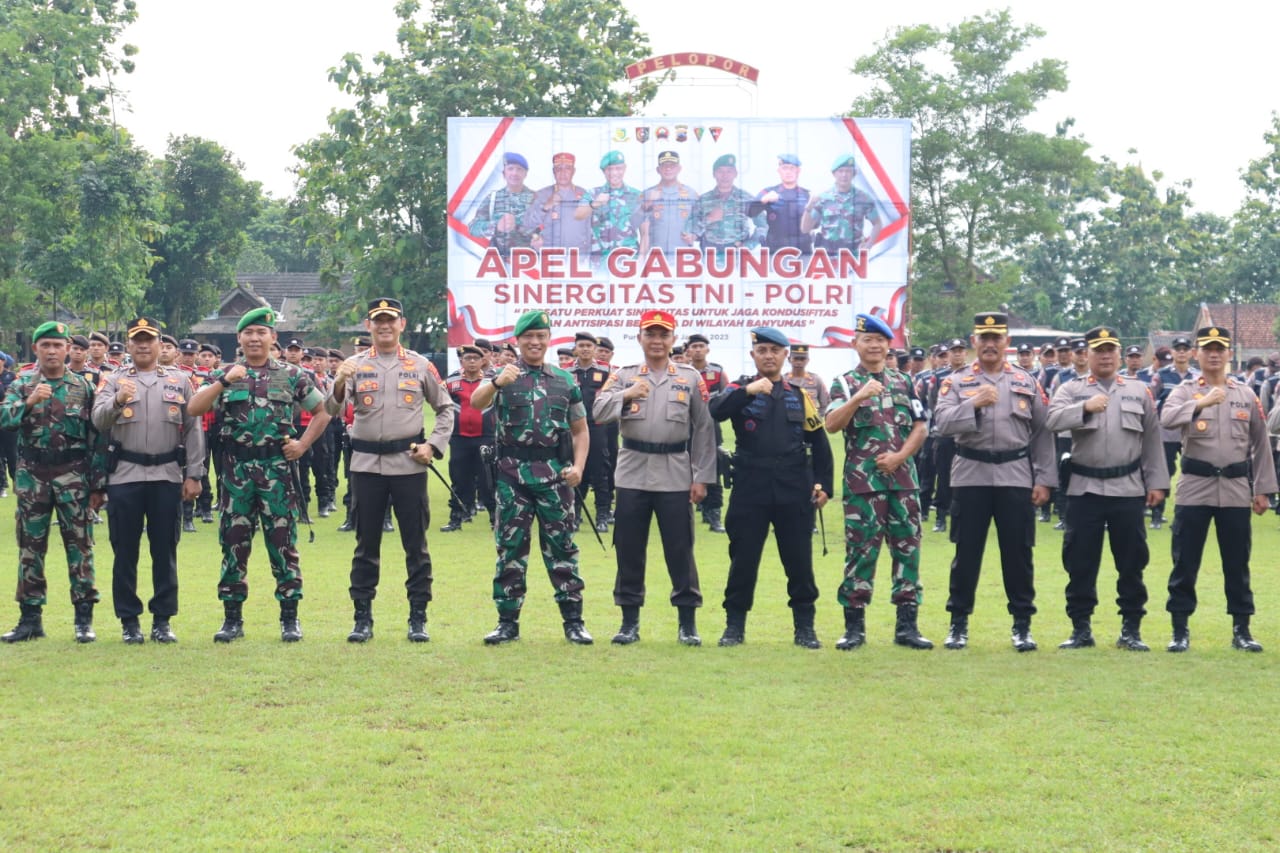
(535, 438)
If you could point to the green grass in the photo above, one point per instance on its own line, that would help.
(543, 746)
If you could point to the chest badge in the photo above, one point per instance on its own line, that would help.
(1202, 426)
(368, 399)
(173, 410)
(1022, 404)
(128, 412)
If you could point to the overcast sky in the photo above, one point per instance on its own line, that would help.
(1191, 92)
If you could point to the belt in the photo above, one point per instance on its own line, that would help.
(1105, 473)
(992, 457)
(382, 448)
(245, 453)
(528, 454)
(148, 458)
(753, 461)
(35, 456)
(1200, 468)
(654, 447)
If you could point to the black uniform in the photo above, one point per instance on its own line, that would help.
(599, 465)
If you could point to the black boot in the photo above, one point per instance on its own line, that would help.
(508, 631)
(574, 630)
(940, 526)
(855, 629)
(688, 633)
(1131, 635)
(907, 633)
(387, 526)
(346, 526)
(84, 622)
(1081, 635)
(161, 632)
(1044, 513)
(232, 623)
(630, 631)
(362, 631)
(1021, 636)
(131, 631)
(1157, 519)
(713, 521)
(958, 635)
(805, 636)
(735, 628)
(290, 630)
(1240, 637)
(1181, 634)
(418, 622)
(455, 523)
(29, 625)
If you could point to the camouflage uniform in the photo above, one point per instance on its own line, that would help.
(839, 217)
(258, 485)
(616, 223)
(501, 202)
(59, 464)
(532, 414)
(735, 228)
(876, 504)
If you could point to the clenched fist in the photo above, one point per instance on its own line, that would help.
(236, 372)
(638, 390)
(506, 376)
(760, 386)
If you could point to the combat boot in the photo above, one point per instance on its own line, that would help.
(290, 630)
(508, 631)
(688, 633)
(713, 521)
(346, 526)
(907, 633)
(1131, 635)
(1021, 636)
(1181, 634)
(1157, 519)
(362, 631)
(131, 631)
(958, 635)
(855, 629)
(206, 517)
(735, 628)
(630, 631)
(387, 526)
(161, 632)
(940, 526)
(1044, 514)
(574, 630)
(1240, 637)
(455, 523)
(805, 636)
(29, 625)
(188, 525)
(232, 623)
(84, 622)
(418, 622)
(1081, 635)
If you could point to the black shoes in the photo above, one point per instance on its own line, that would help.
(602, 526)
(84, 622)
(418, 624)
(687, 635)
(1021, 636)
(1081, 636)
(855, 629)
(232, 623)
(1131, 636)
(346, 526)
(207, 516)
(188, 525)
(455, 524)
(131, 632)
(713, 520)
(940, 526)
(1181, 634)
(362, 631)
(807, 638)
(1157, 519)
(906, 633)
(630, 631)
(508, 631)
(161, 632)
(290, 630)
(958, 635)
(1241, 638)
(574, 630)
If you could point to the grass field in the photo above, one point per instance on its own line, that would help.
(542, 746)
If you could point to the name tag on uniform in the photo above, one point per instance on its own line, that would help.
(680, 395)
(173, 397)
(406, 385)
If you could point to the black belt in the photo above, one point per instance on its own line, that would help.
(148, 458)
(1105, 473)
(1200, 468)
(654, 447)
(245, 453)
(528, 454)
(992, 457)
(754, 461)
(382, 448)
(34, 456)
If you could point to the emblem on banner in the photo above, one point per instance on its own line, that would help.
(715, 133)
(661, 133)
(697, 133)
(682, 133)
(642, 134)
(620, 135)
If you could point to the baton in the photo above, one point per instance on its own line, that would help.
(297, 496)
(434, 470)
(822, 522)
(582, 505)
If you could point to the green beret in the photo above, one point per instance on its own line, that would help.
(613, 158)
(51, 329)
(844, 160)
(263, 316)
(532, 320)
(725, 160)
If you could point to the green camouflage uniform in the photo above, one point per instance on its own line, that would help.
(499, 203)
(839, 217)
(735, 228)
(616, 223)
(60, 461)
(532, 414)
(876, 504)
(256, 416)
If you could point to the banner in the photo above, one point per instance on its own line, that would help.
(728, 224)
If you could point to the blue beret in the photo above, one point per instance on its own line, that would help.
(769, 335)
(513, 159)
(788, 159)
(873, 324)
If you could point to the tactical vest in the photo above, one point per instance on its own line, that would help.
(530, 421)
(265, 424)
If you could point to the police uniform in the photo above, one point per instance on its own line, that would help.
(781, 458)
(944, 448)
(1226, 467)
(58, 468)
(388, 391)
(535, 416)
(590, 380)
(810, 382)
(713, 377)
(668, 444)
(1062, 440)
(1116, 462)
(1162, 384)
(1002, 451)
(550, 217)
(153, 445)
(879, 505)
(666, 208)
(472, 431)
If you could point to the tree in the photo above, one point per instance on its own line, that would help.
(1254, 268)
(278, 234)
(981, 182)
(375, 183)
(208, 207)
